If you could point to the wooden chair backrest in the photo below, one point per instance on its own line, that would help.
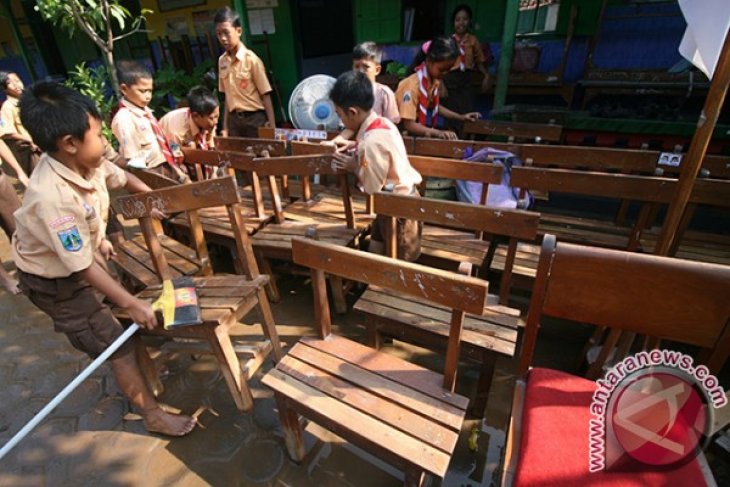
(668, 298)
(461, 294)
(189, 198)
(511, 223)
(438, 167)
(226, 159)
(154, 180)
(270, 133)
(257, 146)
(515, 130)
(454, 149)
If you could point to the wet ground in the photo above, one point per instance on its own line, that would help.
(93, 438)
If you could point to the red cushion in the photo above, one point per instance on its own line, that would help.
(554, 443)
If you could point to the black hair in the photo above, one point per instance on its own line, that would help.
(466, 8)
(368, 50)
(353, 89)
(227, 14)
(201, 100)
(5, 79)
(129, 72)
(442, 48)
(50, 111)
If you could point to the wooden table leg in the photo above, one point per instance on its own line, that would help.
(414, 478)
(486, 373)
(271, 289)
(338, 294)
(147, 366)
(220, 344)
(293, 432)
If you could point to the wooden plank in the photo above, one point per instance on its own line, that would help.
(513, 223)
(193, 196)
(453, 290)
(306, 165)
(642, 188)
(308, 148)
(257, 146)
(518, 130)
(714, 192)
(426, 384)
(382, 409)
(456, 169)
(591, 158)
(454, 149)
(212, 158)
(357, 427)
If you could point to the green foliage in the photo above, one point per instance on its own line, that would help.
(94, 13)
(177, 83)
(93, 82)
(396, 68)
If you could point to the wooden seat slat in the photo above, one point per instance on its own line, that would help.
(137, 249)
(424, 388)
(360, 428)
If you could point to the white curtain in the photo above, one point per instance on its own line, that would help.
(708, 22)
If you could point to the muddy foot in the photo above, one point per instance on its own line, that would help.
(159, 421)
(10, 284)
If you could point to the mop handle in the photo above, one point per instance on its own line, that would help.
(68, 390)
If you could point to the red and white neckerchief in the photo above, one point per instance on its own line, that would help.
(423, 82)
(159, 134)
(462, 52)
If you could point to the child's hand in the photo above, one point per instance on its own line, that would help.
(472, 116)
(158, 214)
(23, 178)
(141, 313)
(107, 250)
(346, 161)
(446, 135)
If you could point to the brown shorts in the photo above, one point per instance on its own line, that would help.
(23, 152)
(408, 236)
(77, 310)
(246, 124)
(9, 202)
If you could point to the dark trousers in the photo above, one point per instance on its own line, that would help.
(246, 124)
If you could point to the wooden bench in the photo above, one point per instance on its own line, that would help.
(224, 300)
(486, 335)
(513, 131)
(404, 414)
(671, 299)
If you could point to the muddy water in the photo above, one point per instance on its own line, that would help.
(93, 438)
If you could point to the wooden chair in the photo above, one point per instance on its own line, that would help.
(487, 335)
(333, 220)
(133, 261)
(667, 298)
(393, 409)
(224, 300)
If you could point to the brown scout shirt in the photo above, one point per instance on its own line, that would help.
(135, 135)
(180, 129)
(473, 53)
(10, 118)
(408, 93)
(383, 158)
(63, 218)
(243, 79)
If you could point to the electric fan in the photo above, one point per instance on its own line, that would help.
(310, 107)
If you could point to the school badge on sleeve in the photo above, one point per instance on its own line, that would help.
(70, 239)
(406, 97)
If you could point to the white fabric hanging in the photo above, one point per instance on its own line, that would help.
(708, 22)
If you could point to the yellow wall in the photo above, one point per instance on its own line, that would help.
(157, 22)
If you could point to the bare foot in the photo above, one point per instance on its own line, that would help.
(10, 284)
(159, 421)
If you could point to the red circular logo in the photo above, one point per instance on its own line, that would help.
(659, 418)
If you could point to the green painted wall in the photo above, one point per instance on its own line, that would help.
(487, 21)
(378, 21)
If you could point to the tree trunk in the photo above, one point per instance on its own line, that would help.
(109, 60)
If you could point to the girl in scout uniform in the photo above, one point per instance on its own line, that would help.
(419, 94)
(242, 78)
(11, 129)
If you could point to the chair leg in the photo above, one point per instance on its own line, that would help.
(293, 432)
(269, 326)
(486, 374)
(374, 338)
(414, 478)
(272, 290)
(338, 294)
(148, 367)
(220, 344)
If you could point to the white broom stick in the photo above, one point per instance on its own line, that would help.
(68, 390)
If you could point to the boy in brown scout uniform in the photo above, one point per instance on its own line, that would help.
(194, 125)
(380, 160)
(141, 139)
(242, 78)
(59, 246)
(11, 129)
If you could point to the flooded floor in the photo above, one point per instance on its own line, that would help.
(93, 438)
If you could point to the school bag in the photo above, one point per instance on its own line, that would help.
(501, 195)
